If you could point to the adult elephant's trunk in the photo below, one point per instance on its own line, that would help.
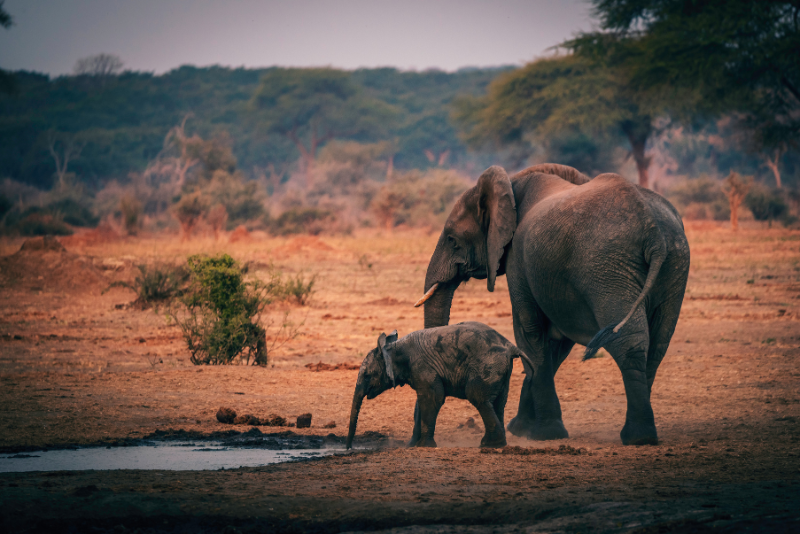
(442, 273)
(358, 398)
(437, 307)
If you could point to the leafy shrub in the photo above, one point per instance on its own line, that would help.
(72, 212)
(38, 222)
(766, 203)
(301, 220)
(418, 199)
(700, 198)
(189, 210)
(156, 283)
(293, 288)
(131, 210)
(243, 200)
(221, 312)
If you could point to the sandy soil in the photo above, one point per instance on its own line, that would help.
(78, 366)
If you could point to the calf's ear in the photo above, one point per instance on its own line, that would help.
(383, 340)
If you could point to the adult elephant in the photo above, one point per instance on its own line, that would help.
(598, 262)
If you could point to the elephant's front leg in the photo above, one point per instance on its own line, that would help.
(430, 401)
(539, 415)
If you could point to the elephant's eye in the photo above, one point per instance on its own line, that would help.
(453, 242)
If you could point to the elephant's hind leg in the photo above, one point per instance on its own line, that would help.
(630, 353)
(485, 398)
(495, 434)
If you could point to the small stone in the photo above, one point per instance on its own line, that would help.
(226, 415)
(246, 419)
(304, 421)
(331, 424)
(275, 420)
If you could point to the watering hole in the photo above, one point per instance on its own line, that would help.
(170, 457)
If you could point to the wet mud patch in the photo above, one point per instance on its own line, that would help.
(251, 439)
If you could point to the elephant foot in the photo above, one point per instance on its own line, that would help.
(538, 430)
(520, 426)
(493, 442)
(546, 430)
(639, 434)
(425, 443)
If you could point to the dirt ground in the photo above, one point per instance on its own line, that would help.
(79, 366)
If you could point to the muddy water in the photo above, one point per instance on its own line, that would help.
(171, 457)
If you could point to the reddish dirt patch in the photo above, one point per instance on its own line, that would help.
(45, 264)
(303, 243)
(240, 234)
(91, 237)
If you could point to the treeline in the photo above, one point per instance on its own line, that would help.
(120, 121)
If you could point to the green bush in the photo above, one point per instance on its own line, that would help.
(293, 288)
(220, 313)
(158, 283)
(766, 204)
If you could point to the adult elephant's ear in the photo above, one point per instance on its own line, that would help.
(498, 216)
(383, 342)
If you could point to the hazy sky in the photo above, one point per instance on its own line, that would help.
(159, 35)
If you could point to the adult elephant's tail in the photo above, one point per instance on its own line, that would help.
(655, 254)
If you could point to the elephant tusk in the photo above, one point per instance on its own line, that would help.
(426, 296)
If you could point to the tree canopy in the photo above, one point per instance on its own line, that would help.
(704, 58)
(6, 79)
(554, 99)
(313, 106)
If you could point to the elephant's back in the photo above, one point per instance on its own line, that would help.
(586, 247)
(459, 352)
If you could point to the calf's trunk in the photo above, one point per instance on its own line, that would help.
(358, 398)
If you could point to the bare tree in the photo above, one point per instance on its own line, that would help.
(101, 65)
(772, 161)
(64, 147)
(188, 149)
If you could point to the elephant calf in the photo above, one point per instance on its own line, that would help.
(467, 360)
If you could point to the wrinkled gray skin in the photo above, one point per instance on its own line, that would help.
(578, 256)
(468, 361)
